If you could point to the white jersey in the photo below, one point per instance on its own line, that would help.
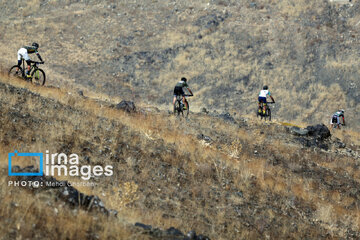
(263, 93)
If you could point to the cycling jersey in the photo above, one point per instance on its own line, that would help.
(24, 51)
(335, 119)
(264, 93)
(182, 84)
(178, 90)
(339, 114)
(31, 49)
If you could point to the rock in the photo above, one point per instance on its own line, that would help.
(127, 106)
(339, 144)
(81, 93)
(299, 131)
(204, 110)
(227, 117)
(191, 234)
(144, 226)
(207, 139)
(170, 233)
(319, 131)
(174, 232)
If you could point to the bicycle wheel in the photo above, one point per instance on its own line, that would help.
(262, 115)
(177, 108)
(14, 73)
(269, 113)
(186, 111)
(258, 112)
(38, 77)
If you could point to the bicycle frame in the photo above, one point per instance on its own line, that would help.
(33, 67)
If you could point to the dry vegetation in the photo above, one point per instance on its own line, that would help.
(305, 50)
(243, 184)
(251, 180)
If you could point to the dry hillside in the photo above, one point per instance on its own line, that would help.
(306, 51)
(222, 172)
(226, 177)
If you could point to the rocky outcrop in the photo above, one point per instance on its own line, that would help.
(170, 233)
(312, 136)
(127, 106)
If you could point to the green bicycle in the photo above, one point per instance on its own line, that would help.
(179, 107)
(267, 114)
(38, 76)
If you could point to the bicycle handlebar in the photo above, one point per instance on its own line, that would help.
(38, 62)
(188, 95)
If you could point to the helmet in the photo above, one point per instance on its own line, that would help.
(36, 45)
(183, 79)
(265, 87)
(341, 110)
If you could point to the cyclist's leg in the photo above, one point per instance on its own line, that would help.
(331, 123)
(28, 62)
(261, 100)
(176, 93)
(338, 121)
(185, 102)
(26, 57)
(264, 108)
(334, 121)
(259, 104)
(19, 57)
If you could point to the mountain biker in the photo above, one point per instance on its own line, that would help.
(262, 98)
(179, 91)
(335, 119)
(24, 52)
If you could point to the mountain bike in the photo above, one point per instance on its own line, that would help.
(38, 76)
(179, 106)
(335, 124)
(267, 111)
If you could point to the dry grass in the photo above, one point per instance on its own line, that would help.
(231, 157)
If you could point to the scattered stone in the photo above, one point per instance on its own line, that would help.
(207, 139)
(81, 93)
(127, 106)
(170, 233)
(204, 110)
(299, 131)
(319, 131)
(144, 226)
(227, 117)
(339, 144)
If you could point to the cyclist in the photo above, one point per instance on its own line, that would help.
(24, 52)
(335, 119)
(262, 98)
(179, 91)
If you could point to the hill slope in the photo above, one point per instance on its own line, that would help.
(306, 51)
(226, 177)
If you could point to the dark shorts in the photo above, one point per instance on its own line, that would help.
(334, 119)
(27, 61)
(178, 91)
(262, 99)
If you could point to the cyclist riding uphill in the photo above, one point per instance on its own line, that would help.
(335, 119)
(262, 98)
(24, 52)
(179, 91)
